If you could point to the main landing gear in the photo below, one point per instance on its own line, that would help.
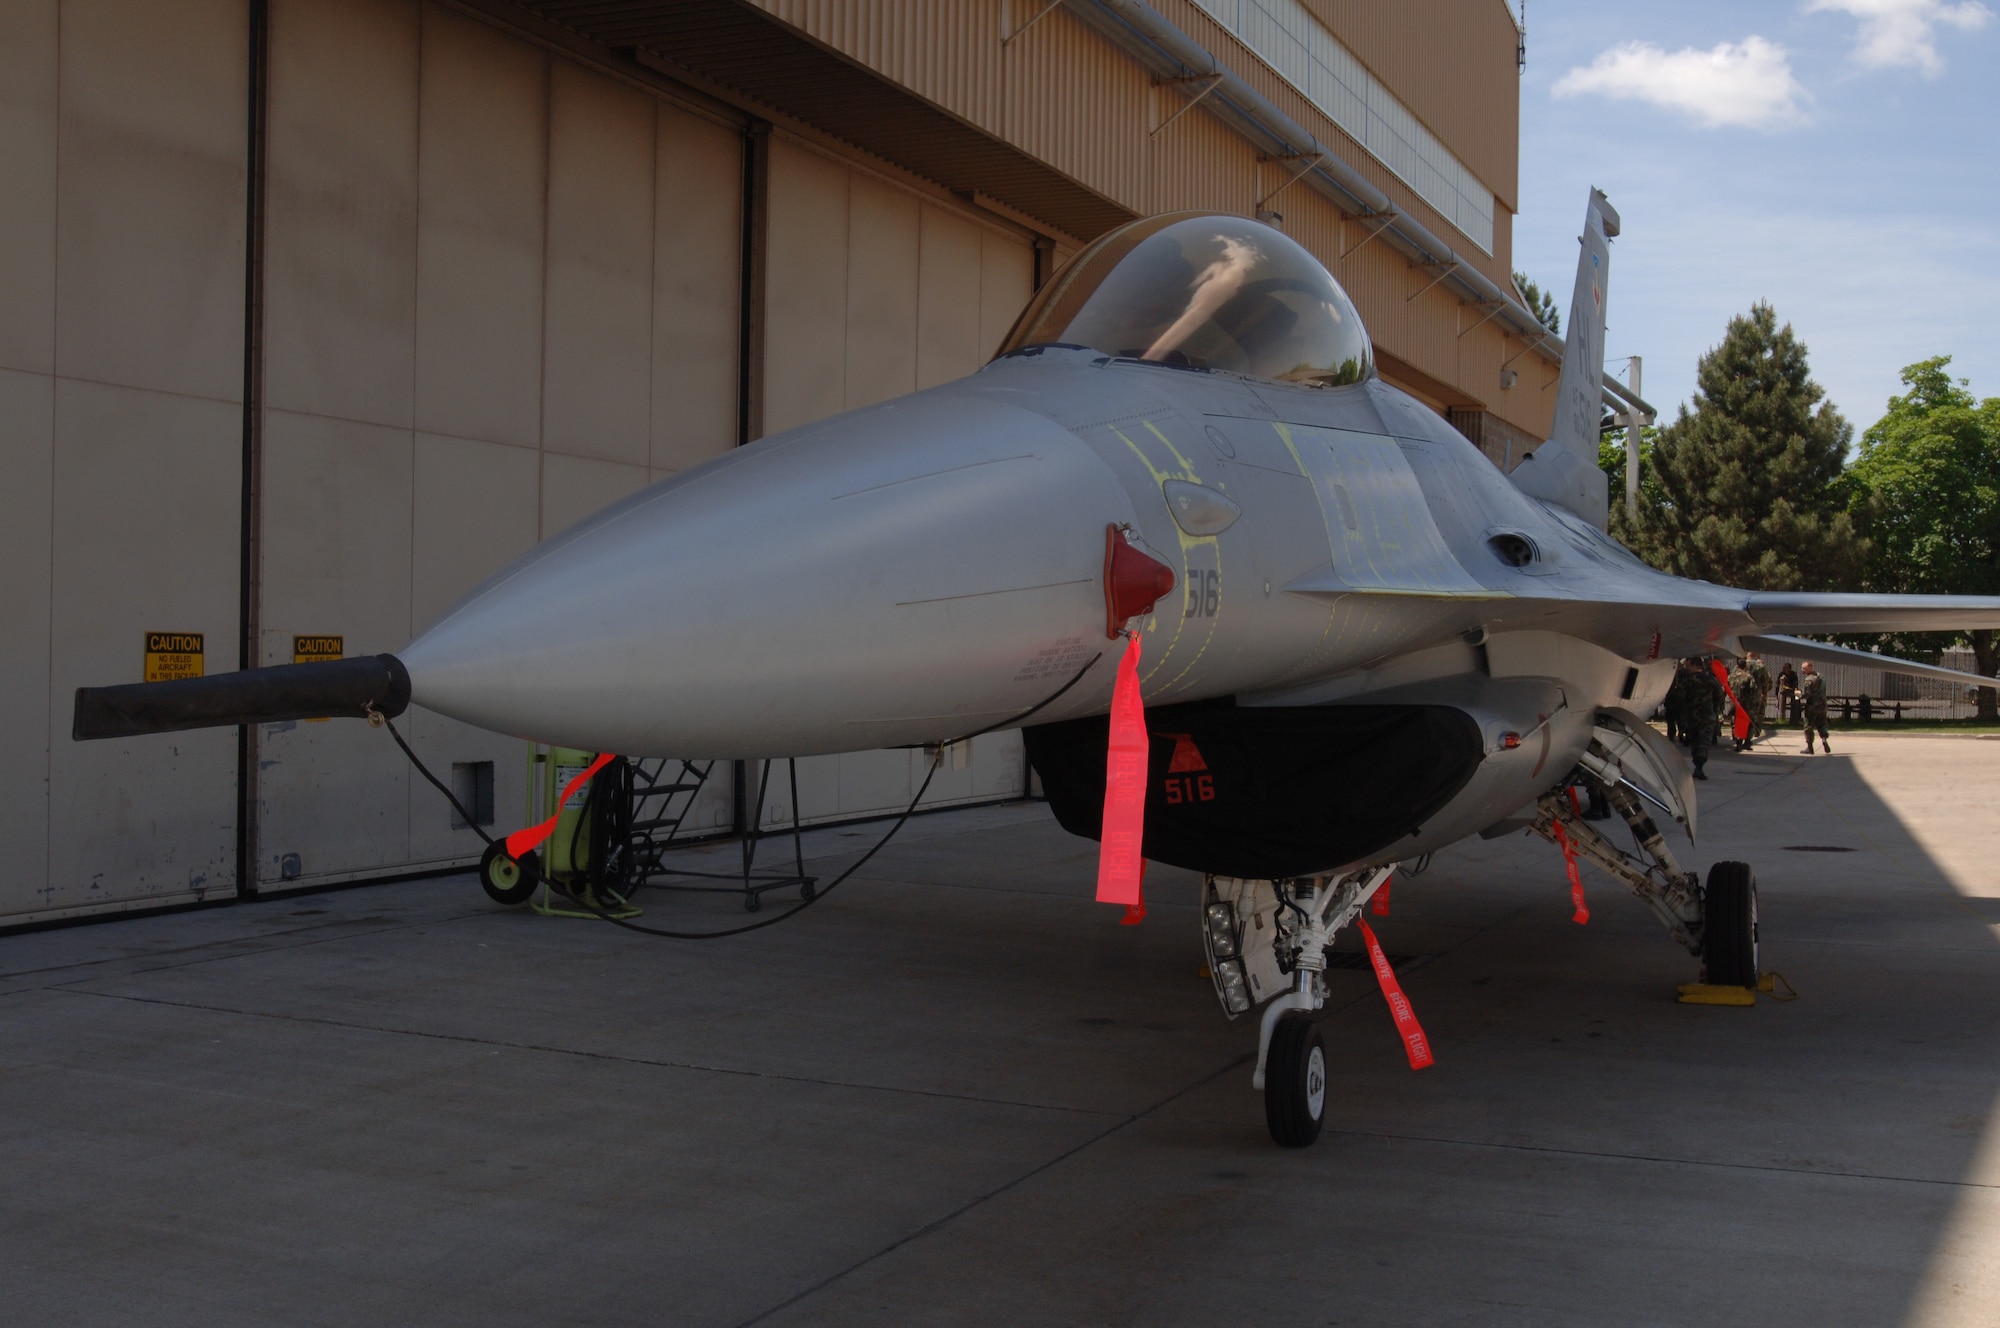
(1268, 939)
(1716, 923)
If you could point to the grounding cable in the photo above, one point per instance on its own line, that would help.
(937, 760)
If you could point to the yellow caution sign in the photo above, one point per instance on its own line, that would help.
(172, 655)
(313, 649)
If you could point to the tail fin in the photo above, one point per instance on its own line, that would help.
(1570, 476)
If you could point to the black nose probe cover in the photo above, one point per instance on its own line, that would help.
(334, 687)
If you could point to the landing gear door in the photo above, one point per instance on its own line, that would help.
(1658, 767)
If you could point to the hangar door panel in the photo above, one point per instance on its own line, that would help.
(874, 291)
(531, 312)
(122, 419)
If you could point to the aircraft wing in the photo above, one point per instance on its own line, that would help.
(1873, 613)
(1822, 653)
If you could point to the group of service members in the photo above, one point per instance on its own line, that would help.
(1703, 692)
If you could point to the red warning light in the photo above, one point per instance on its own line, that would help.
(1133, 581)
(1510, 740)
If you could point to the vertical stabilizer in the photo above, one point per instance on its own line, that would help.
(1564, 470)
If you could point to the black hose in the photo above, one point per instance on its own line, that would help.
(817, 895)
(795, 909)
(449, 796)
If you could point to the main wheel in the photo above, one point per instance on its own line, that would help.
(508, 880)
(1295, 1081)
(1729, 925)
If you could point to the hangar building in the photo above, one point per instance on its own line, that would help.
(313, 313)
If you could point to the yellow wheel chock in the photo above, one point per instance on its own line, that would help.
(1704, 993)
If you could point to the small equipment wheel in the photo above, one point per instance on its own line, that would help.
(508, 880)
(1729, 925)
(808, 892)
(1295, 1082)
(751, 901)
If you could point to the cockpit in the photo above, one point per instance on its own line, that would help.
(1203, 291)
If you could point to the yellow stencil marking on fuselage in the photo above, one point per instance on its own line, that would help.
(1187, 466)
(1187, 542)
(1325, 517)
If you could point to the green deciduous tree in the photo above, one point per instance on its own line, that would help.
(1747, 487)
(1927, 491)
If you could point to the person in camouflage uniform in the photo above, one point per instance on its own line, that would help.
(1739, 678)
(1812, 707)
(1762, 675)
(1702, 702)
(1743, 681)
(1676, 704)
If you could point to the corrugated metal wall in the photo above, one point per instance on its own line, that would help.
(1453, 63)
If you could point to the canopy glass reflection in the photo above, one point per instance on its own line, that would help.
(1203, 291)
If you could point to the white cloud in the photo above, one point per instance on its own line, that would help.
(1897, 34)
(1746, 83)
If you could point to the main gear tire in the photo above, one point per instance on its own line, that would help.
(1295, 1082)
(508, 880)
(1729, 925)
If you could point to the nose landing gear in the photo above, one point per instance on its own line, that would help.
(1256, 933)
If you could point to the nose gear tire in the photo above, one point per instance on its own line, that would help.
(1295, 1082)
(1729, 925)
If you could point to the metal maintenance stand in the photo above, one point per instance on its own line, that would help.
(650, 801)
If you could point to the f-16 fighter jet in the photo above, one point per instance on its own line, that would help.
(1181, 487)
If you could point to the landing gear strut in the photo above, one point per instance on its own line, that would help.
(1258, 934)
(1659, 881)
(1717, 924)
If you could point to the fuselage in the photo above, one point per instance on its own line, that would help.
(931, 566)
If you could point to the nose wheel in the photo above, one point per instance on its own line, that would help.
(1295, 1082)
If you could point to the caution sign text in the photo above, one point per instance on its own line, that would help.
(313, 649)
(171, 655)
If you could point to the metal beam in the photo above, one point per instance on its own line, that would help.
(1209, 85)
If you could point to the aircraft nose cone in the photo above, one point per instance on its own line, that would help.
(906, 573)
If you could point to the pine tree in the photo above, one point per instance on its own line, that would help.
(1747, 488)
(1540, 303)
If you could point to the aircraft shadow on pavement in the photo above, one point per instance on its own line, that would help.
(957, 1083)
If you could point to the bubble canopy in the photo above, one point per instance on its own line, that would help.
(1205, 291)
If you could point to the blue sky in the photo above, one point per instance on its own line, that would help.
(1834, 157)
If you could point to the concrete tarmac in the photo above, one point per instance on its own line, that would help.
(957, 1092)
